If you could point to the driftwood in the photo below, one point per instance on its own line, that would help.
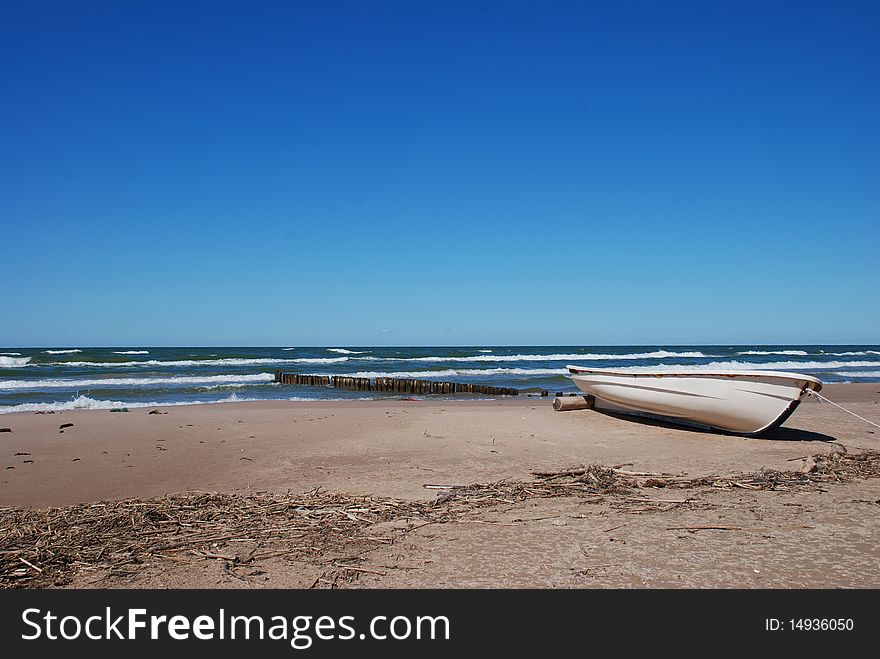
(567, 403)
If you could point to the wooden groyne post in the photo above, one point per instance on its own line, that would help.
(393, 385)
(296, 378)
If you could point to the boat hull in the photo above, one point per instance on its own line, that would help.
(740, 402)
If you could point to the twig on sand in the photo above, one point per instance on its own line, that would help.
(29, 564)
(352, 568)
(225, 557)
(704, 527)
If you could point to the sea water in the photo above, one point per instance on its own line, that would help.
(44, 379)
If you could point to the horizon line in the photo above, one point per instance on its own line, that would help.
(435, 345)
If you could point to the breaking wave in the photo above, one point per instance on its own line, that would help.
(231, 361)
(78, 403)
(97, 383)
(822, 367)
(343, 351)
(318, 360)
(451, 372)
(61, 352)
(132, 352)
(792, 353)
(14, 362)
(859, 374)
(657, 354)
(86, 403)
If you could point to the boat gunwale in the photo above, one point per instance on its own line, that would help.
(782, 375)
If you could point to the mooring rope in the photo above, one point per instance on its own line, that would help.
(821, 397)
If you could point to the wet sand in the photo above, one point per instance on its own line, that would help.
(826, 538)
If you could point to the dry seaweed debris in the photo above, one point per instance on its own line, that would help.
(44, 547)
(41, 548)
(836, 466)
(592, 481)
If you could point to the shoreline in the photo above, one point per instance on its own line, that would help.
(388, 447)
(840, 392)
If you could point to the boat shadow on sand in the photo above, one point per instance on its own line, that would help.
(780, 433)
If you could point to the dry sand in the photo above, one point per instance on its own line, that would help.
(822, 537)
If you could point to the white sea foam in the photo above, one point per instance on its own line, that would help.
(858, 374)
(824, 367)
(404, 374)
(663, 368)
(793, 353)
(343, 351)
(235, 385)
(132, 352)
(133, 383)
(14, 362)
(484, 351)
(319, 360)
(354, 355)
(234, 398)
(78, 403)
(657, 354)
(11, 354)
(858, 353)
(86, 403)
(61, 352)
(450, 372)
(232, 361)
(288, 348)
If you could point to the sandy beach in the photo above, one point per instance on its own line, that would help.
(822, 534)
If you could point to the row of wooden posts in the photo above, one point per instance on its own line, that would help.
(402, 386)
(296, 378)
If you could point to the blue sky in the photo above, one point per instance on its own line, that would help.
(405, 173)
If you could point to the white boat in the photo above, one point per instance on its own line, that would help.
(741, 402)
